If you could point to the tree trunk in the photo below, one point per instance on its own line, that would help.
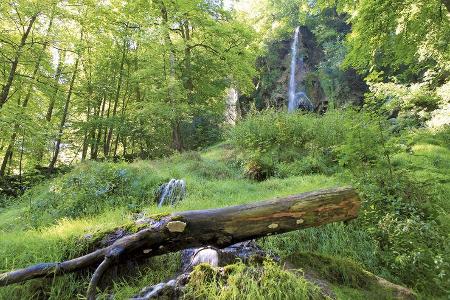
(64, 115)
(122, 113)
(86, 131)
(9, 151)
(92, 132)
(177, 142)
(216, 227)
(187, 74)
(12, 73)
(176, 133)
(117, 96)
(105, 134)
(58, 73)
(94, 153)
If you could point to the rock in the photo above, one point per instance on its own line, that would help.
(173, 288)
(244, 251)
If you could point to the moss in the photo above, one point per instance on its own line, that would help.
(348, 293)
(350, 280)
(177, 218)
(238, 281)
(334, 269)
(159, 217)
(133, 227)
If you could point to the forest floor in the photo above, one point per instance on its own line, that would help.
(47, 223)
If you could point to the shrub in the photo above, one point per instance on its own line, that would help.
(90, 189)
(271, 143)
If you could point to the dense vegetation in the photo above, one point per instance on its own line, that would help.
(103, 101)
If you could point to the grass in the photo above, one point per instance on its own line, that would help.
(336, 239)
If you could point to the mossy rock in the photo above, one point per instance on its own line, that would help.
(349, 278)
(335, 270)
(239, 281)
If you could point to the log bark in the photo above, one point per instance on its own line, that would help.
(214, 227)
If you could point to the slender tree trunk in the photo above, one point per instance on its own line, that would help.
(124, 146)
(51, 105)
(100, 128)
(96, 139)
(176, 133)
(105, 138)
(187, 76)
(21, 157)
(10, 163)
(117, 96)
(176, 136)
(65, 113)
(86, 132)
(58, 73)
(12, 73)
(122, 112)
(9, 150)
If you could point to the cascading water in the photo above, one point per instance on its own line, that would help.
(292, 82)
(297, 100)
(171, 192)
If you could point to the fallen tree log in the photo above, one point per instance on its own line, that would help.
(215, 227)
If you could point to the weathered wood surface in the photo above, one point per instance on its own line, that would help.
(215, 227)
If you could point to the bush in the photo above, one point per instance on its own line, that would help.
(92, 188)
(411, 240)
(272, 143)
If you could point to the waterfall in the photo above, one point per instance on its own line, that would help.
(171, 192)
(297, 99)
(292, 82)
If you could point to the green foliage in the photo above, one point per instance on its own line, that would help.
(90, 189)
(405, 212)
(238, 281)
(292, 144)
(410, 105)
(408, 37)
(334, 240)
(137, 88)
(265, 140)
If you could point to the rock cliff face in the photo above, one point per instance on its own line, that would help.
(272, 85)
